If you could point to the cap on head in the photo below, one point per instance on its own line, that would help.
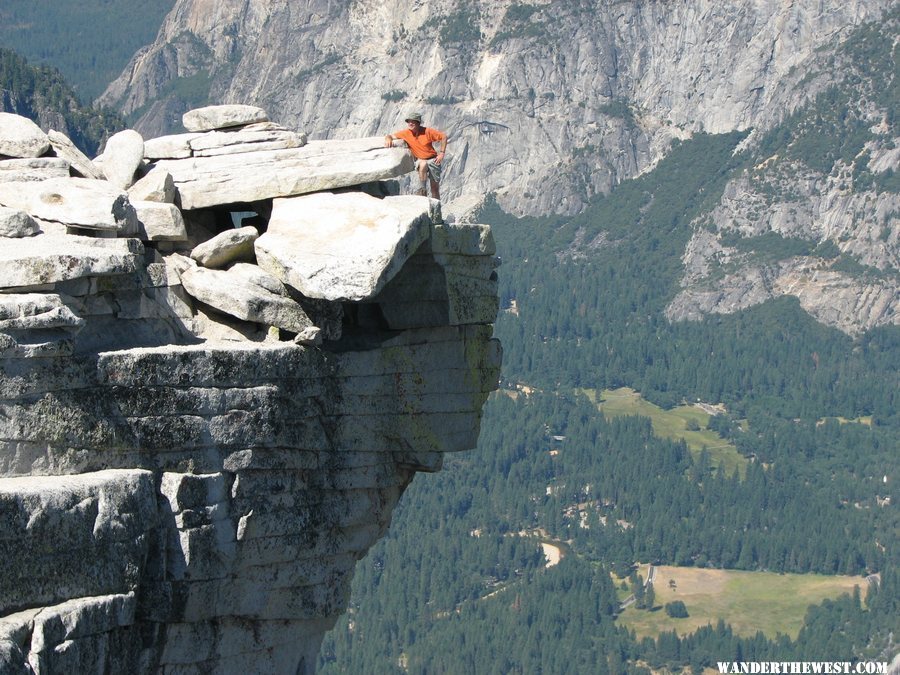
(414, 117)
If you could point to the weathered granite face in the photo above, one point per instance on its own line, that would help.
(187, 491)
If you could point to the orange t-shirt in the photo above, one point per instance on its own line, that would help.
(420, 144)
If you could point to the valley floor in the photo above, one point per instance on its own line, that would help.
(749, 601)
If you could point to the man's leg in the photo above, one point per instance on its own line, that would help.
(422, 168)
(434, 174)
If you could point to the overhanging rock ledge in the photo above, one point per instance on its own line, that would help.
(192, 460)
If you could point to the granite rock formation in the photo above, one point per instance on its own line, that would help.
(546, 103)
(550, 104)
(720, 278)
(193, 458)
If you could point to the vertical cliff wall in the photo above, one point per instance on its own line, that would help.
(190, 464)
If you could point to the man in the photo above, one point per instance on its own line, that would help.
(421, 140)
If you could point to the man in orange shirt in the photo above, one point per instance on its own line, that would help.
(420, 140)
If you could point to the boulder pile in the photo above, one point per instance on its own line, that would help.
(224, 354)
(166, 213)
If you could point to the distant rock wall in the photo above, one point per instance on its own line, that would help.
(720, 278)
(194, 453)
(546, 103)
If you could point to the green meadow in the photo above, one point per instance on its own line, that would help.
(750, 601)
(686, 423)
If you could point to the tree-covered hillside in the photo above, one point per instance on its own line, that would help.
(89, 42)
(43, 95)
(459, 585)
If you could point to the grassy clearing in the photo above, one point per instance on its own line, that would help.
(865, 420)
(750, 601)
(671, 424)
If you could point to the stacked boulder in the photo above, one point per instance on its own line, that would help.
(171, 199)
(225, 354)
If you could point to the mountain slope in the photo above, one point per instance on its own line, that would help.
(546, 103)
(89, 42)
(43, 95)
(798, 179)
(813, 213)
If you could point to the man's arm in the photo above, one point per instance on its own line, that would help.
(442, 151)
(388, 140)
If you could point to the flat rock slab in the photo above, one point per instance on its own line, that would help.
(16, 223)
(254, 274)
(254, 176)
(222, 117)
(64, 148)
(35, 311)
(236, 294)
(342, 247)
(77, 202)
(47, 259)
(122, 156)
(20, 137)
(226, 247)
(173, 146)
(33, 169)
(265, 136)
